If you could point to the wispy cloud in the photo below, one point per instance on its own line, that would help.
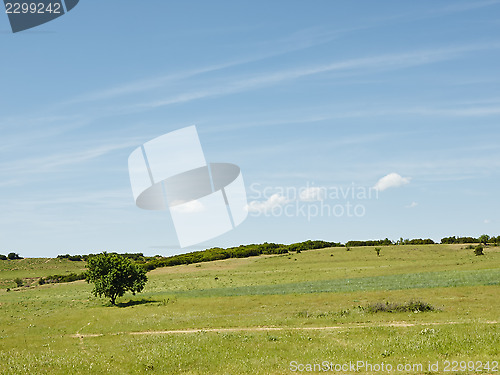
(57, 161)
(102, 198)
(297, 41)
(353, 66)
(466, 6)
(448, 9)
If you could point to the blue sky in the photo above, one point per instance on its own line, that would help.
(313, 97)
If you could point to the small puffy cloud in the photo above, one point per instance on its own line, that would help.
(312, 194)
(188, 207)
(487, 221)
(274, 200)
(412, 205)
(392, 180)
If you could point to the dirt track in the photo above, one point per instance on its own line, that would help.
(268, 329)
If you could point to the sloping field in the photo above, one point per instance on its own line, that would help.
(262, 315)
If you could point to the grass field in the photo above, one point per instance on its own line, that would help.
(261, 315)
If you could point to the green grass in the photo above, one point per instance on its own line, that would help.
(442, 279)
(321, 289)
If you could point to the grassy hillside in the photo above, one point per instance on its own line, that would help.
(258, 315)
(31, 269)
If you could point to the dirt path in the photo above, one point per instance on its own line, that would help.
(270, 329)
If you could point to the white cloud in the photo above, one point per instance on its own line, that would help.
(189, 207)
(274, 200)
(312, 194)
(392, 180)
(412, 205)
(487, 221)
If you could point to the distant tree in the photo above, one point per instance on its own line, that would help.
(467, 240)
(3, 257)
(377, 249)
(13, 256)
(419, 241)
(484, 239)
(455, 240)
(449, 240)
(386, 242)
(113, 275)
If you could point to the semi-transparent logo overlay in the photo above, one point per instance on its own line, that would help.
(26, 14)
(204, 199)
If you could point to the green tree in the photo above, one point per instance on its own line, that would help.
(113, 275)
(484, 239)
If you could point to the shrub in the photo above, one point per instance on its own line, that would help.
(385, 242)
(13, 256)
(3, 257)
(377, 249)
(73, 258)
(411, 306)
(478, 250)
(19, 282)
(62, 278)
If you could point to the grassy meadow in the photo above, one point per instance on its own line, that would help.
(261, 315)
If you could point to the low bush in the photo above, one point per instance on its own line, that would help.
(62, 278)
(478, 250)
(411, 306)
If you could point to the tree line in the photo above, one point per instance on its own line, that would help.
(244, 251)
(484, 239)
(10, 256)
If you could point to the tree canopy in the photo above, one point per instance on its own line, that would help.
(113, 275)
